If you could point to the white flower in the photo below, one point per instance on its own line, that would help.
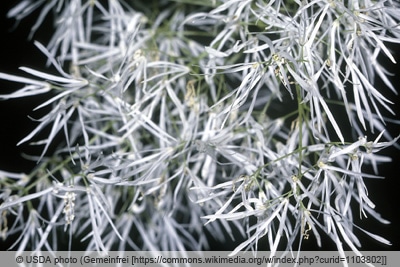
(198, 119)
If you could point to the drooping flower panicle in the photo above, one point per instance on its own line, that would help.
(216, 117)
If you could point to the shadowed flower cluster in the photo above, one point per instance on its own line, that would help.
(185, 119)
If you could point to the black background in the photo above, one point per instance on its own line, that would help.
(16, 50)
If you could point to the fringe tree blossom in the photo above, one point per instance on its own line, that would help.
(191, 118)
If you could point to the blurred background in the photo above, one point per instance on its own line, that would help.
(16, 50)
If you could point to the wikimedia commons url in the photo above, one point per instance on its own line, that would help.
(206, 261)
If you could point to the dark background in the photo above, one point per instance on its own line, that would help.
(16, 50)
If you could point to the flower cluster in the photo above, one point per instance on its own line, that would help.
(190, 118)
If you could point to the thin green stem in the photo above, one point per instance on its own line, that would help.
(300, 121)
